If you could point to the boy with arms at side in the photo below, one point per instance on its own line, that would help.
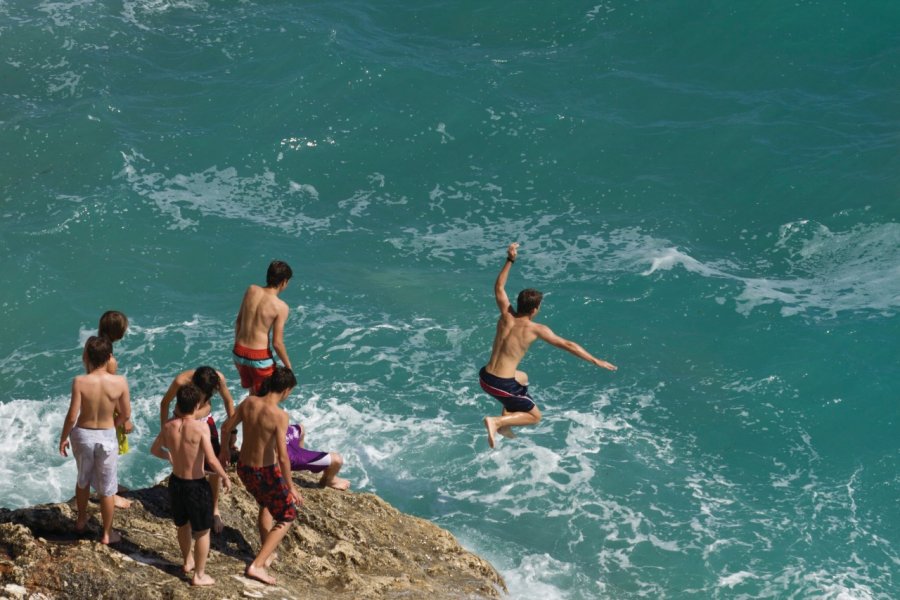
(516, 331)
(113, 325)
(264, 466)
(262, 312)
(208, 380)
(96, 397)
(185, 442)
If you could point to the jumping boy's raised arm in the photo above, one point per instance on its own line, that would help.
(500, 285)
(544, 333)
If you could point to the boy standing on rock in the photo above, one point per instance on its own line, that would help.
(185, 442)
(264, 466)
(96, 398)
(262, 312)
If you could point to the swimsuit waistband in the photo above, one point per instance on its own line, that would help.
(251, 353)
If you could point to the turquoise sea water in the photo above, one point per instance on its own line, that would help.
(706, 191)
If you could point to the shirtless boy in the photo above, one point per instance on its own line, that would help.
(315, 461)
(113, 325)
(96, 397)
(185, 442)
(516, 330)
(209, 381)
(262, 312)
(264, 466)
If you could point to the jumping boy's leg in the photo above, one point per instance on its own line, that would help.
(329, 476)
(107, 509)
(506, 431)
(257, 569)
(184, 542)
(201, 552)
(515, 419)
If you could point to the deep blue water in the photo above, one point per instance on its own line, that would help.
(706, 192)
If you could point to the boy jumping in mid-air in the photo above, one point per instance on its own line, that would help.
(96, 397)
(185, 442)
(516, 330)
(264, 466)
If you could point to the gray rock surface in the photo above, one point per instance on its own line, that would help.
(344, 545)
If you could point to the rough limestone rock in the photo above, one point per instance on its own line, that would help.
(344, 545)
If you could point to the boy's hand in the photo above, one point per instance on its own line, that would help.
(63, 445)
(606, 365)
(512, 251)
(298, 499)
(226, 483)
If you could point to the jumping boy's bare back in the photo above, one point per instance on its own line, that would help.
(516, 331)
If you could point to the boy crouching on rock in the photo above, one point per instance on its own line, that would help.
(185, 442)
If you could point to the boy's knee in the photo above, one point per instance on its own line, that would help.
(199, 534)
(337, 460)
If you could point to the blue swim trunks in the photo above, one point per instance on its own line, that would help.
(511, 394)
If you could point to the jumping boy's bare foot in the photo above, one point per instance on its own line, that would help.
(507, 432)
(113, 538)
(218, 525)
(121, 502)
(492, 429)
(259, 575)
(202, 580)
(336, 483)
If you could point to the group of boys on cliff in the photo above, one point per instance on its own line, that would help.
(271, 446)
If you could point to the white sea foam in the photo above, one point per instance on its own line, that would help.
(259, 199)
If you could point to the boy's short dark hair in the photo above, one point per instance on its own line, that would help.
(97, 350)
(113, 325)
(278, 271)
(281, 379)
(206, 379)
(528, 300)
(188, 398)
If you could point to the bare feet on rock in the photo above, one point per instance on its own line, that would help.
(114, 537)
(272, 558)
(188, 565)
(336, 483)
(259, 574)
(204, 579)
(121, 502)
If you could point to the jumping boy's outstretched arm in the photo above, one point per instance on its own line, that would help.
(500, 285)
(544, 333)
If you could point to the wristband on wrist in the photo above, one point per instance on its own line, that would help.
(509, 259)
